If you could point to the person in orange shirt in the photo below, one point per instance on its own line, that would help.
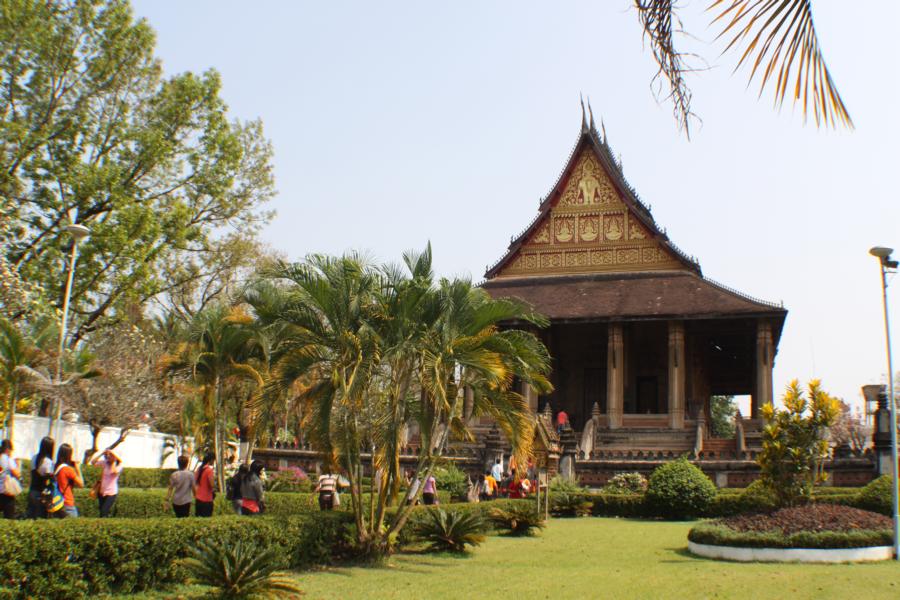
(205, 493)
(68, 477)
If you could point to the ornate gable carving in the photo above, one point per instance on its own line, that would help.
(588, 229)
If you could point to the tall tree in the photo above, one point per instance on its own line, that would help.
(722, 410)
(375, 349)
(152, 165)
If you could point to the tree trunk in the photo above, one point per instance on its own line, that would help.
(11, 421)
(219, 435)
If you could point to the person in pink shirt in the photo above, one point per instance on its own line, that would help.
(109, 481)
(429, 492)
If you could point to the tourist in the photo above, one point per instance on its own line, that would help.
(497, 470)
(327, 489)
(252, 497)
(205, 486)
(9, 480)
(233, 488)
(489, 486)
(562, 421)
(414, 484)
(181, 489)
(68, 477)
(41, 474)
(429, 491)
(109, 481)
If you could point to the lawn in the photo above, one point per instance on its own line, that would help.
(595, 558)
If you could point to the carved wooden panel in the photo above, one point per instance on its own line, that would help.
(589, 229)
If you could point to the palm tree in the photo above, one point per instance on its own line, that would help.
(777, 38)
(376, 348)
(19, 350)
(219, 349)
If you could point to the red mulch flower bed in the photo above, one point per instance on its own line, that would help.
(812, 517)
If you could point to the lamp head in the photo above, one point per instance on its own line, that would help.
(79, 232)
(881, 252)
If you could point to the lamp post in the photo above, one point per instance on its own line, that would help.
(884, 257)
(78, 233)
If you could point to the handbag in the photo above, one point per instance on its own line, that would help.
(11, 486)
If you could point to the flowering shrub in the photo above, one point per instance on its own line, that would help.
(288, 479)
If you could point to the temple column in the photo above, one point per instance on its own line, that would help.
(531, 395)
(615, 375)
(677, 374)
(765, 351)
(468, 403)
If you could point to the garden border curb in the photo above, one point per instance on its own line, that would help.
(803, 555)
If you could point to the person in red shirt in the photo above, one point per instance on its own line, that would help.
(205, 478)
(562, 421)
(68, 477)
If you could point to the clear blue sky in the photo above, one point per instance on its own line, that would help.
(395, 123)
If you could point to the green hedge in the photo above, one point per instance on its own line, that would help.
(149, 503)
(83, 558)
(719, 535)
(131, 477)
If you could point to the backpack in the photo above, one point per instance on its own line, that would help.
(51, 496)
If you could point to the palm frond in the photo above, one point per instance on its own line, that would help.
(780, 41)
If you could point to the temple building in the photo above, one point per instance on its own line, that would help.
(640, 339)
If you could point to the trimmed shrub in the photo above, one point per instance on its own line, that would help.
(877, 496)
(150, 503)
(619, 505)
(131, 477)
(679, 490)
(567, 486)
(758, 497)
(719, 535)
(82, 558)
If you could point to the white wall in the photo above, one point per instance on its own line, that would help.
(140, 448)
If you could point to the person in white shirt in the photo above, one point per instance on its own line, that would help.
(41, 473)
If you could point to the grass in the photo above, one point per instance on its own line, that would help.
(591, 558)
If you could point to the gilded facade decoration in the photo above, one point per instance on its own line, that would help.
(589, 229)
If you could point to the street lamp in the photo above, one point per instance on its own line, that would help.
(884, 257)
(78, 233)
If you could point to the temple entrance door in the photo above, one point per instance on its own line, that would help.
(647, 395)
(594, 391)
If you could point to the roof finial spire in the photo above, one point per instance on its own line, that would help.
(584, 127)
(591, 112)
(603, 128)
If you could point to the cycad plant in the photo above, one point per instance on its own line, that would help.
(239, 571)
(451, 530)
(517, 519)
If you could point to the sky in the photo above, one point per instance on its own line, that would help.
(399, 123)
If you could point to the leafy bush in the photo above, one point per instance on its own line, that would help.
(620, 505)
(450, 479)
(679, 490)
(758, 497)
(877, 496)
(626, 483)
(719, 535)
(519, 519)
(566, 486)
(239, 571)
(794, 444)
(288, 479)
(451, 530)
(84, 558)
